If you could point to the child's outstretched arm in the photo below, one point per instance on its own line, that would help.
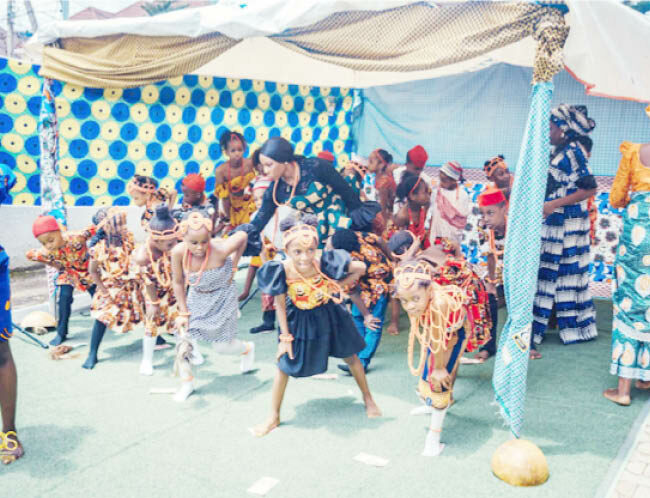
(235, 244)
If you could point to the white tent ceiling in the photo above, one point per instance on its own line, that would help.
(608, 48)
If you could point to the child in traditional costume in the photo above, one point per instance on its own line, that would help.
(194, 199)
(371, 294)
(314, 324)
(145, 193)
(233, 179)
(494, 212)
(451, 206)
(496, 171)
(270, 242)
(67, 252)
(117, 303)
(447, 306)
(414, 195)
(208, 310)
(153, 259)
(381, 186)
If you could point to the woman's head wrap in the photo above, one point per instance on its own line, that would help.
(278, 149)
(572, 119)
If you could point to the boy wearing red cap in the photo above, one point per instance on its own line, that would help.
(68, 253)
(416, 160)
(494, 214)
(194, 199)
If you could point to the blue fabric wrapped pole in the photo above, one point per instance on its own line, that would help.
(521, 259)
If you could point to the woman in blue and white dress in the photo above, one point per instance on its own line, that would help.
(563, 278)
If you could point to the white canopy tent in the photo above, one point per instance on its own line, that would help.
(608, 48)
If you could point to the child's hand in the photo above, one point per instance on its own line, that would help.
(284, 348)
(371, 322)
(549, 207)
(442, 377)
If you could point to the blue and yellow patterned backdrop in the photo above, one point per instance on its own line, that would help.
(164, 130)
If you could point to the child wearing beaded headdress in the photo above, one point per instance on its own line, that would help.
(117, 304)
(314, 325)
(496, 171)
(208, 310)
(233, 179)
(153, 261)
(446, 305)
(67, 252)
(492, 238)
(145, 193)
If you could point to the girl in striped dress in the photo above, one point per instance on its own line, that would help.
(208, 310)
(563, 277)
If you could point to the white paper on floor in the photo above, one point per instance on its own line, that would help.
(325, 376)
(263, 485)
(162, 390)
(371, 460)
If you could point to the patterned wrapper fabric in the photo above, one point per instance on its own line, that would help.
(51, 193)
(523, 242)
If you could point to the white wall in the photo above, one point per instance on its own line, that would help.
(16, 228)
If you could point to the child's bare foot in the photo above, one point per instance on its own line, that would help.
(372, 410)
(263, 429)
(392, 329)
(535, 355)
(640, 384)
(613, 395)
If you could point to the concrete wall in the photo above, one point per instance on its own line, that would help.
(16, 228)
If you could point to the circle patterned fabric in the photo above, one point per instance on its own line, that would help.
(165, 130)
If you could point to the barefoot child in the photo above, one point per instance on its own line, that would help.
(313, 323)
(117, 303)
(208, 310)
(233, 179)
(153, 261)
(370, 296)
(66, 252)
(447, 308)
(494, 212)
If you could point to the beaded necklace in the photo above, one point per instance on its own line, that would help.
(164, 279)
(187, 261)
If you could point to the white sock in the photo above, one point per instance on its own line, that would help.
(248, 358)
(432, 444)
(148, 343)
(187, 388)
(422, 410)
(197, 357)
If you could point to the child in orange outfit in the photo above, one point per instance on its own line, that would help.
(66, 252)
